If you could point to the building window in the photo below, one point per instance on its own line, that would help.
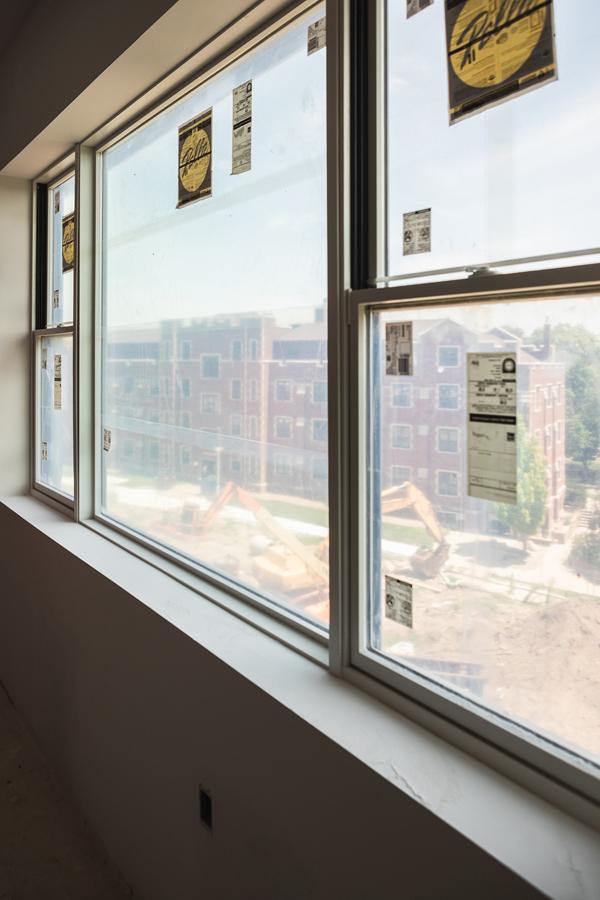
(185, 419)
(236, 425)
(210, 404)
(185, 387)
(236, 350)
(319, 392)
(319, 468)
(283, 391)
(186, 350)
(401, 474)
(253, 390)
(253, 350)
(448, 396)
(253, 428)
(282, 465)
(401, 437)
(402, 395)
(448, 357)
(447, 440)
(319, 429)
(236, 389)
(210, 366)
(283, 427)
(447, 484)
(185, 456)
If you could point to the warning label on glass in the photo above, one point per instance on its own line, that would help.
(398, 348)
(497, 50)
(415, 6)
(58, 381)
(195, 159)
(417, 232)
(242, 128)
(492, 426)
(398, 601)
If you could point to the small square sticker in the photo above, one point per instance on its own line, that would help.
(107, 439)
(398, 601)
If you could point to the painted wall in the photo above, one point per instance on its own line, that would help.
(135, 715)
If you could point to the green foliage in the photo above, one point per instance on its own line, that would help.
(586, 550)
(527, 516)
(576, 495)
(583, 413)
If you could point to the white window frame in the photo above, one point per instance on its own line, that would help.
(206, 356)
(409, 431)
(203, 399)
(439, 394)
(289, 385)
(276, 422)
(394, 480)
(438, 430)
(453, 472)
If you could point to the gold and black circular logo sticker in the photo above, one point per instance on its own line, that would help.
(68, 242)
(195, 159)
(496, 48)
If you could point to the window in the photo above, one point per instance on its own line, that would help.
(448, 396)
(448, 357)
(319, 429)
(210, 366)
(402, 395)
(53, 456)
(496, 548)
(447, 440)
(401, 474)
(257, 320)
(283, 427)
(401, 437)
(283, 391)
(447, 484)
(319, 392)
(211, 404)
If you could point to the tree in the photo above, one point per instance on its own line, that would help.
(583, 413)
(527, 515)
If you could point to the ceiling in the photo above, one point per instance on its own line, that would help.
(12, 15)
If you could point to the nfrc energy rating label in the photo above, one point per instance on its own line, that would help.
(492, 426)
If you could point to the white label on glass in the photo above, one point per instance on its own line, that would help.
(415, 6)
(44, 357)
(399, 601)
(56, 300)
(107, 439)
(58, 381)
(417, 232)
(242, 128)
(57, 201)
(317, 36)
(44, 451)
(398, 348)
(492, 426)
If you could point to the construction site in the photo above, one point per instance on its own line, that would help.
(508, 627)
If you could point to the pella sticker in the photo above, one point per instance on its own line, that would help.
(398, 348)
(68, 242)
(107, 439)
(398, 601)
(416, 237)
(44, 451)
(317, 35)
(195, 159)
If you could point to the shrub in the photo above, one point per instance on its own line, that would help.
(576, 495)
(586, 550)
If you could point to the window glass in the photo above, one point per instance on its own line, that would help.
(61, 244)
(509, 181)
(504, 596)
(54, 452)
(221, 304)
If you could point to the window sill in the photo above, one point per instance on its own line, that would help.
(540, 843)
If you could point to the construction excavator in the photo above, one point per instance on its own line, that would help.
(301, 571)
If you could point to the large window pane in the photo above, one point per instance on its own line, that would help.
(512, 181)
(214, 344)
(54, 452)
(505, 601)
